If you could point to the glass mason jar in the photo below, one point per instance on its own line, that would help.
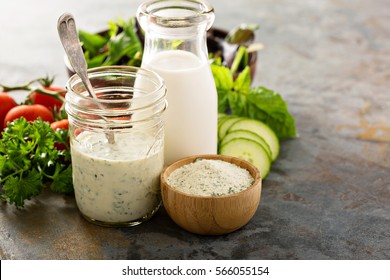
(117, 145)
(176, 48)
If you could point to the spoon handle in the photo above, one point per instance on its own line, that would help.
(67, 31)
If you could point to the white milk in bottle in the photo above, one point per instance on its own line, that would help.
(175, 48)
(191, 116)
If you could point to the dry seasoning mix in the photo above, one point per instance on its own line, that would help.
(207, 177)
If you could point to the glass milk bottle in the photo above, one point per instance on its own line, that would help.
(117, 147)
(176, 48)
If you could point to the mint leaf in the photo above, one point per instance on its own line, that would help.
(222, 77)
(242, 83)
(224, 82)
(269, 107)
(238, 103)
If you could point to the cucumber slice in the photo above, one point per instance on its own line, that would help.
(262, 130)
(248, 150)
(246, 134)
(222, 115)
(226, 124)
(222, 119)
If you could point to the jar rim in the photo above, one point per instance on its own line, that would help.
(121, 97)
(196, 12)
(119, 70)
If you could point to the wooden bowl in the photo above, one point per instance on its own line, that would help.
(211, 215)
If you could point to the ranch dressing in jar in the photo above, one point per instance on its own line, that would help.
(176, 48)
(119, 165)
(117, 184)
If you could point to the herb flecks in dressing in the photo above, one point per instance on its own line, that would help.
(116, 182)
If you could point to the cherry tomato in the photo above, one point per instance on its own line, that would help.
(47, 100)
(61, 124)
(6, 104)
(29, 112)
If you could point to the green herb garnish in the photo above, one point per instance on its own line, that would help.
(29, 161)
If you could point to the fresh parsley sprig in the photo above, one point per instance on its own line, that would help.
(237, 96)
(29, 161)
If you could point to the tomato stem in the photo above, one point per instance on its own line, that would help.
(26, 86)
(8, 88)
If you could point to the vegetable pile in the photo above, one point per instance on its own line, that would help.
(34, 144)
(29, 160)
(119, 45)
(251, 120)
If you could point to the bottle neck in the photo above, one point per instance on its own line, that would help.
(175, 25)
(193, 41)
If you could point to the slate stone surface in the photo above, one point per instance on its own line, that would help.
(328, 194)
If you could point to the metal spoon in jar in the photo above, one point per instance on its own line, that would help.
(67, 31)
